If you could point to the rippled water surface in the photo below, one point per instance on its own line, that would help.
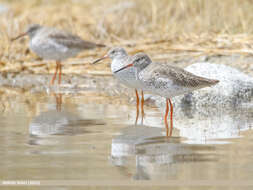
(76, 139)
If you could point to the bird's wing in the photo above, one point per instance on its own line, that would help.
(71, 41)
(162, 72)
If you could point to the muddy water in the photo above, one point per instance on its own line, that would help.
(75, 138)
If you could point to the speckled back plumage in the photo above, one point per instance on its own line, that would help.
(170, 81)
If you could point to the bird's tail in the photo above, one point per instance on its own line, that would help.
(212, 81)
(100, 45)
(201, 82)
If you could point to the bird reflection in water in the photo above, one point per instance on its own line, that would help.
(59, 121)
(155, 156)
(58, 100)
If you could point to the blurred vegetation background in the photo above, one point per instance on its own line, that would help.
(160, 28)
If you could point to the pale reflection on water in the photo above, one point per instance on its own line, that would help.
(156, 155)
(44, 138)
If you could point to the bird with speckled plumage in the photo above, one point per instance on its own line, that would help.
(165, 80)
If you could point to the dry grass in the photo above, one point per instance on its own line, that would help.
(194, 27)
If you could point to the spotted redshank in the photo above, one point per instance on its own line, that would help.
(53, 44)
(165, 80)
(120, 58)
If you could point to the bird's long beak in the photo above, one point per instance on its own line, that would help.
(19, 36)
(100, 59)
(130, 65)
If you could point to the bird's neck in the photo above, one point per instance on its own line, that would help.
(118, 62)
(144, 65)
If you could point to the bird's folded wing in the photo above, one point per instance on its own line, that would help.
(164, 73)
(71, 41)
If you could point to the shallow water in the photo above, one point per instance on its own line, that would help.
(72, 139)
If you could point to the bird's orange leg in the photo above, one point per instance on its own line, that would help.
(55, 73)
(166, 118)
(142, 106)
(171, 117)
(59, 79)
(137, 106)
